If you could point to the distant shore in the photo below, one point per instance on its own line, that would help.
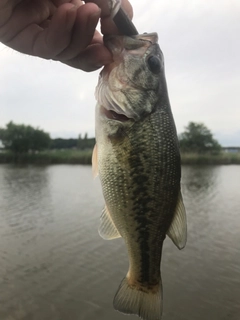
(211, 159)
(85, 157)
(48, 157)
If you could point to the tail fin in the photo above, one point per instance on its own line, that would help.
(146, 304)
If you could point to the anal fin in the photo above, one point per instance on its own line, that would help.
(107, 229)
(178, 228)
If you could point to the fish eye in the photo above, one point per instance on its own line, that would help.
(154, 64)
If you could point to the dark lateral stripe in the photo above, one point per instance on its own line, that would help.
(141, 199)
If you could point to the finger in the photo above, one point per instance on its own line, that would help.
(93, 58)
(23, 15)
(58, 3)
(47, 43)
(83, 32)
(57, 36)
(6, 9)
(45, 24)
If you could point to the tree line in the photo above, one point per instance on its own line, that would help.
(197, 138)
(79, 143)
(19, 138)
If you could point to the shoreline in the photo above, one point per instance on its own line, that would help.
(85, 157)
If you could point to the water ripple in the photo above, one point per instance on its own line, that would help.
(54, 265)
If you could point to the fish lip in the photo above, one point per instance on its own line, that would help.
(112, 115)
(116, 43)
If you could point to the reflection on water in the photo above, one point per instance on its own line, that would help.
(208, 276)
(54, 266)
(199, 180)
(27, 190)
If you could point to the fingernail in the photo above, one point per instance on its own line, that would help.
(72, 8)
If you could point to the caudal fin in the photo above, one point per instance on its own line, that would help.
(146, 304)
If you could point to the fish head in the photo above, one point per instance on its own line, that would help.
(130, 86)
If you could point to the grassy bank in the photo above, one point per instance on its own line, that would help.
(84, 157)
(222, 158)
(48, 157)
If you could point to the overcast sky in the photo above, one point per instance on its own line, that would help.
(201, 44)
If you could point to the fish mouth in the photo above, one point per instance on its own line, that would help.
(113, 115)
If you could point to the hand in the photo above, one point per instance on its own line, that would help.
(63, 30)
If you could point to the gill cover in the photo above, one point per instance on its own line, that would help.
(130, 85)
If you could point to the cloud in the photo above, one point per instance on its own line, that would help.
(200, 41)
(46, 94)
(201, 49)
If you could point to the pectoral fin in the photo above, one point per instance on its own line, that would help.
(107, 229)
(95, 162)
(178, 228)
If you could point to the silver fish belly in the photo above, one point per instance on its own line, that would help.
(138, 161)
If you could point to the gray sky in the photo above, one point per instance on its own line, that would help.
(201, 44)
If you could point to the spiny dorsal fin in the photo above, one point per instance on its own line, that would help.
(95, 162)
(178, 228)
(107, 229)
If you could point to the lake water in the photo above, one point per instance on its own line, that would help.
(54, 265)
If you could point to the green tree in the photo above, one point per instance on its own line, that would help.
(85, 143)
(20, 138)
(60, 143)
(79, 141)
(198, 138)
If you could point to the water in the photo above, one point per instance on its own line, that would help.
(54, 266)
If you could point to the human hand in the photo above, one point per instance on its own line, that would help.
(63, 30)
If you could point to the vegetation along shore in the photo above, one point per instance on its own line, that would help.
(85, 156)
(25, 145)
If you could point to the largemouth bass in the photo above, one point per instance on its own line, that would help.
(138, 161)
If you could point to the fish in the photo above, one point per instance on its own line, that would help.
(138, 162)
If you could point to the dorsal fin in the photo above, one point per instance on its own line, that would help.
(178, 228)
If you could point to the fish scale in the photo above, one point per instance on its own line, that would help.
(138, 161)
